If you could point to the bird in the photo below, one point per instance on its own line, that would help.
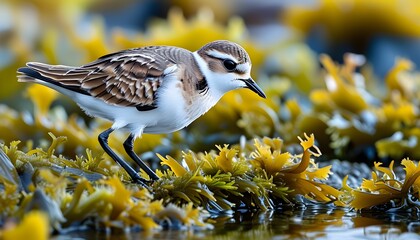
(152, 89)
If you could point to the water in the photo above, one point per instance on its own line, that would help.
(316, 222)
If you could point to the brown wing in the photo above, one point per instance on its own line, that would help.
(127, 78)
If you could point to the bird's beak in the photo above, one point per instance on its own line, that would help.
(250, 83)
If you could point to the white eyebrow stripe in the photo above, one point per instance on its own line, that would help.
(243, 67)
(220, 55)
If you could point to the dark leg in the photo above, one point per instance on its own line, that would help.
(128, 145)
(103, 140)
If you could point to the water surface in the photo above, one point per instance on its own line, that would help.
(315, 222)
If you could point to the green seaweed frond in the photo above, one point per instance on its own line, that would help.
(9, 198)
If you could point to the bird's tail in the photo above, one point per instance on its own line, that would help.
(40, 72)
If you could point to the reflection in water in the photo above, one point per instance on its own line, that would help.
(316, 222)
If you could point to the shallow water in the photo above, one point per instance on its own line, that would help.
(309, 223)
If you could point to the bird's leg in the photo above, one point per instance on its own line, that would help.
(103, 140)
(128, 145)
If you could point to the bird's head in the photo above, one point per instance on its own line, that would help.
(226, 66)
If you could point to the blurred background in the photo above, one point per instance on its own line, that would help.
(74, 32)
(283, 38)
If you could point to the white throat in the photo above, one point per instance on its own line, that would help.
(210, 76)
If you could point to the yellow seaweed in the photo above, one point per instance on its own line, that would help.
(358, 16)
(34, 225)
(384, 188)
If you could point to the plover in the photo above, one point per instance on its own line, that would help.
(154, 89)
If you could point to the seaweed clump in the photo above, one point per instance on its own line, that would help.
(387, 191)
(263, 178)
(259, 175)
(89, 193)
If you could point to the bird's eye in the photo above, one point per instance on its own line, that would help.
(229, 64)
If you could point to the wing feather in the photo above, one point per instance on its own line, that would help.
(127, 78)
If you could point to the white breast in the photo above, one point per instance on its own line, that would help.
(175, 111)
